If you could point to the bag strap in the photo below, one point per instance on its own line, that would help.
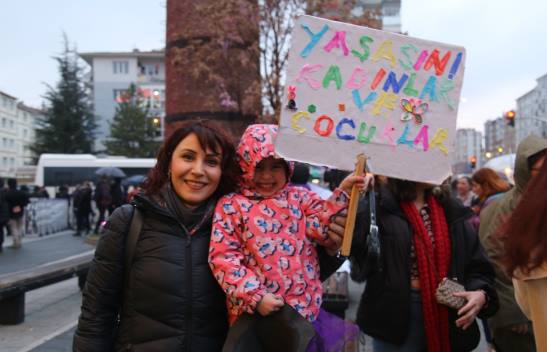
(372, 205)
(373, 239)
(131, 241)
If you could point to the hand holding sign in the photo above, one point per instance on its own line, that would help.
(358, 90)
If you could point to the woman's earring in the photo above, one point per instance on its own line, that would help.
(169, 174)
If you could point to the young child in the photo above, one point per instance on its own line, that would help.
(262, 248)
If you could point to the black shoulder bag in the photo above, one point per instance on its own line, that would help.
(361, 268)
(130, 244)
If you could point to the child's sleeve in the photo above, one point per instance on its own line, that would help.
(226, 258)
(319, 212)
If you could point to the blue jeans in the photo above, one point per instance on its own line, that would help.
(415, 340)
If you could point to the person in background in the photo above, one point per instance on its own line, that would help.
(511, 329)
(103, 200)
(39, 192)
(17, 201)
(4, 213)
(82, 208)
(62, 193)
(475, 219)
(488, 186)
(117, 194)
(524, 239)
(425, 237)
(132, 191)
(464, 193)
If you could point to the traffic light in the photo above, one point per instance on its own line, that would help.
(473, 162)
(510, 117)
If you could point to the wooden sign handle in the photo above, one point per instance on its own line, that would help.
(352, 209)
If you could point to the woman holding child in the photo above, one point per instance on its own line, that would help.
(171, 301)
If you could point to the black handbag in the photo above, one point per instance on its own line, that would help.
(285, 330)
(362, 267)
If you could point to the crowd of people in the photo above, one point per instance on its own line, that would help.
(86, 200)
(12, 208)
(231, 252)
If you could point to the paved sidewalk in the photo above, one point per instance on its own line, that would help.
(61, 343)
(41, 250)
(49, 312)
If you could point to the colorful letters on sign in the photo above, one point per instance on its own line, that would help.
(351, 83)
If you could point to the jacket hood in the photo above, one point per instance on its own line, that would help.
(529, 146)
(256, 144)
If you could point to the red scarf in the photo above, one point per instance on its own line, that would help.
(435, 315)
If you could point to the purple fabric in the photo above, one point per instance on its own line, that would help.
(332, 333)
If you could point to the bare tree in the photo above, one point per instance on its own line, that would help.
(277, 18)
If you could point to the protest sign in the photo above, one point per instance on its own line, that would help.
(353, 90)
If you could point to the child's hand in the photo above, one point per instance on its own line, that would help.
(361, 182)
(269, 304)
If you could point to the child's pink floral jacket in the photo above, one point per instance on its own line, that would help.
(261, 245)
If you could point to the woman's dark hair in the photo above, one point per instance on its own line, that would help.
(209, 135)
(405, 190)
(525, 231)
(490, 182)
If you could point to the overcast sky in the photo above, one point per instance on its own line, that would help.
(506, 42)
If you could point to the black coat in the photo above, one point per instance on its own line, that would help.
(16, 198)
(384, 307)
(173, 303)
(82, 201)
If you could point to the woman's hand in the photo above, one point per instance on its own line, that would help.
(336, 233)
(467, 313)
(269, 304)
(361, 182)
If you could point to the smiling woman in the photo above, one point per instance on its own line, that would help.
(195, 173)
(175, 303)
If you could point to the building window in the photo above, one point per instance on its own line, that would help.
(4, 142)
(120, 67)
(11, 124)
(25, 133)
(11, 143)
(5, 161)
(150, 69)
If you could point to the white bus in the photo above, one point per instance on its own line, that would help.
(71, 169)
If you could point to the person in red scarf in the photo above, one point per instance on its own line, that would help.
(424, 238)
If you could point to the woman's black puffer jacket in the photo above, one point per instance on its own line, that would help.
(173, 302)
(384, 307)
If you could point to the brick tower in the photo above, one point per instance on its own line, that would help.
(212, 63)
